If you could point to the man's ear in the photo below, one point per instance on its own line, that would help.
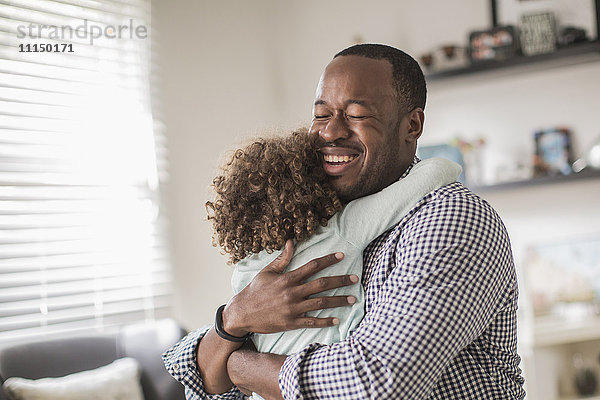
(415, 121)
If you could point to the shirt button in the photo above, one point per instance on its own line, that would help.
(175, 367)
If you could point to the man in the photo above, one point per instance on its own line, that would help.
(440, 287)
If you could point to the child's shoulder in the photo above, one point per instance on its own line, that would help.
(257, 259)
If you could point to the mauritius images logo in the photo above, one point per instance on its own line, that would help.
(86, 31)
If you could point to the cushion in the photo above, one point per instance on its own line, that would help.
(119, 380)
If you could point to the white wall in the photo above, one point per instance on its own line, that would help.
(215, 63)
(228, 68)
(311, 32)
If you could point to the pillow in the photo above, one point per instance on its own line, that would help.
(119, 380)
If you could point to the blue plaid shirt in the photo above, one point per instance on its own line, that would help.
(440, 316)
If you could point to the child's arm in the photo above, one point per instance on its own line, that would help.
(362, 220)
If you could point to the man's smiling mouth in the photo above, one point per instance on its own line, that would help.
(337, 160)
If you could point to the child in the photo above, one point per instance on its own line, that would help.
(275, 189)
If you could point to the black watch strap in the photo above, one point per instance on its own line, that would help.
(221, 332)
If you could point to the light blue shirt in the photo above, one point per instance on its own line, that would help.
(348, 231)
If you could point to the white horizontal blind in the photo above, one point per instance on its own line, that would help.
(82, 232)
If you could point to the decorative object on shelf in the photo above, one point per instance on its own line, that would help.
(445, 57)
(427, 60)
(450, 51)
(552, 152)
(472, 152)
(446, 151)
(586, 380)
(538, 34)
(571, 35)
(498, 43)
(591, 159)
(510, 165)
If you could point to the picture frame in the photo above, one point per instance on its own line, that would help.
(498, 43)
(553, 155)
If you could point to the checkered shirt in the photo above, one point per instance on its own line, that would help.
(440, 316)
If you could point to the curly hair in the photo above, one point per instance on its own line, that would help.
(272, 190)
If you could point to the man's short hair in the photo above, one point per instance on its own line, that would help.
(409, 80)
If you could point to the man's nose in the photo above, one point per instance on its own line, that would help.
(336, 128)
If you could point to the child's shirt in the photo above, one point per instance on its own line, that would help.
(349, 231)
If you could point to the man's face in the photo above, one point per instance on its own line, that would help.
(366, 143)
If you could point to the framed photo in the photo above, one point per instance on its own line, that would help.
(498, 43)
(552, 152)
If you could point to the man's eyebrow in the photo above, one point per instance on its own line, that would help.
(351, 101)
(356, 101)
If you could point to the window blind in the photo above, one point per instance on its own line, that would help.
(82, 229)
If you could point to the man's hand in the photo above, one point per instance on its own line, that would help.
(275, 301)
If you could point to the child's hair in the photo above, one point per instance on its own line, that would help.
(273, 190)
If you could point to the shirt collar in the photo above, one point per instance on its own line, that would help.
(414, 162)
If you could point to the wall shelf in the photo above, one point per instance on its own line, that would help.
(571, 55)
(546, 180)
(552, 332)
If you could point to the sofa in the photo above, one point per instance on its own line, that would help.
(67, 355)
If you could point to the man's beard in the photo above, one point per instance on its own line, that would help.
(368, 182)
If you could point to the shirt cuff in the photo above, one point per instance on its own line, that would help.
(180, 361)
(291, 373)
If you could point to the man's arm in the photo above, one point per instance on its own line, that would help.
(264, 380)
(180, 361)
(452, 273)
(212, 354)
(273, 302)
